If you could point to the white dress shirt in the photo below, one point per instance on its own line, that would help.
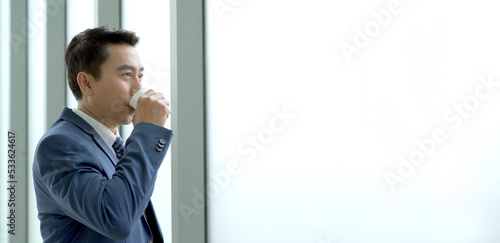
(107, 135)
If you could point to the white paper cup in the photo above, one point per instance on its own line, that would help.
(135, 97)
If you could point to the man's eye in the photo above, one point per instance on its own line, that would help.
(128, 74)
(141, 75)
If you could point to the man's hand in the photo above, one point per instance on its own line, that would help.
(153, 108)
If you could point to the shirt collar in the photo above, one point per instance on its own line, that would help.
(107, 135)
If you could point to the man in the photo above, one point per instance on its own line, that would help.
(89, 188)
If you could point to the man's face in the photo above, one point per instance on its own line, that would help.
(121, 76)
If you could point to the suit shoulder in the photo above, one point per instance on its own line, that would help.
(62, 134)
(63, 143)
(63, 129)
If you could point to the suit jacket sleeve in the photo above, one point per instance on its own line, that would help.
(73, 175)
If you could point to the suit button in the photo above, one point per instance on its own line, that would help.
(150, 241)
(158, 148)
(162, 141)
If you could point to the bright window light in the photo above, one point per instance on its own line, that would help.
(4, 102)
(150, 20)
(81, 15)
(352, 121)
(37, 65)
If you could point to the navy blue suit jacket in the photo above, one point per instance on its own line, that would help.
(84, 194)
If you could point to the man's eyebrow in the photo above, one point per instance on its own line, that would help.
(129, 67)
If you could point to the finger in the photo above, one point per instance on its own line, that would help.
(168, 112)
(165, 102)
(137, 95)
(160, 96)
(148, 93)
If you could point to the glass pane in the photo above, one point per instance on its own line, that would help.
(81, 15)
(150, 20)
(4, 104)
(37, 59)
(352, 121)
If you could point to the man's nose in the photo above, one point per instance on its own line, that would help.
(137, 86)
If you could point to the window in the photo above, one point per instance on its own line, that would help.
(81, 15)
(150, 20)
(337, 121)
(4, 100)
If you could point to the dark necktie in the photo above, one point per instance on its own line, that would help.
(118, 147)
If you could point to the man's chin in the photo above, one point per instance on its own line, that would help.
(127, 120)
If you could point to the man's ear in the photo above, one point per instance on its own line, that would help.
(86, 83)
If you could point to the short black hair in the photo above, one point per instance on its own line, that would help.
(87, 52)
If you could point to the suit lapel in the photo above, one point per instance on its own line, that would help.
(68, 115)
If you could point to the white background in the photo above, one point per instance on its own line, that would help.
(150, 20)
(322, 179)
